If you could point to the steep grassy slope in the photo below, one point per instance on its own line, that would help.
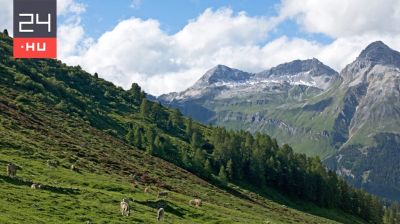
(31, 137)
(49, 111)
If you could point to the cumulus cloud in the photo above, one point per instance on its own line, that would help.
(341, 18)
(138, 50)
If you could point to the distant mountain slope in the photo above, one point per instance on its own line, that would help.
(350, 116)
(53, 116)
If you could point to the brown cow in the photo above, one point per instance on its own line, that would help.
(162, 194)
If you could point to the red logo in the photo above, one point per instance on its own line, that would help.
(35, 47)
(35, 28)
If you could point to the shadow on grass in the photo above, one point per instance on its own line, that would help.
(168, 206)
(303, 206)
(22, 182)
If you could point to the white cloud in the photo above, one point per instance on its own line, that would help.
(65, 7)
(137, 50)
(341, 18)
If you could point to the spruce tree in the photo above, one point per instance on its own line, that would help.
(150, 149)
(229, 169)
(138, 138)
(207, 167)
(195, 140)
(222, 174)
(176, 118)
(130, 136)
(199, 159)
(145, 108)
(189, 128)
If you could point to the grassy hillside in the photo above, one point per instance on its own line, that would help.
(52, 112)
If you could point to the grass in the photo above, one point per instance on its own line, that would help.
(34, 129)
(31, 135)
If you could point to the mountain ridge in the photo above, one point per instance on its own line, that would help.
(352, 109)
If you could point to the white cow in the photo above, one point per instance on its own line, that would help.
(125, 208)
(195, 202)
(36, 186)
(160, 214)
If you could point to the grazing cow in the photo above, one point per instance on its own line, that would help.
(162, 194)
(36, 186)
(74, 168)
(11, 170)
(160, 214)
(52, 163)
(146, 190)
(195, 202)
(125, 209)
(134, 180)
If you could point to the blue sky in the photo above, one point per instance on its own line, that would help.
(173, 15)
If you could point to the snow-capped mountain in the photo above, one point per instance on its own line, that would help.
(222, 81)
(351, 119)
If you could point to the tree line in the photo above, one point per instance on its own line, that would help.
(238, 156)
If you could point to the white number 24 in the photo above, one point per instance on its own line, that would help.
(31, 22)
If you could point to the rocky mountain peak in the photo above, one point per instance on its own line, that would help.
(222, 74)
(313, 66)
(379, 53)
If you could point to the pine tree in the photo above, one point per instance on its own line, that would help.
(145, 108)
(189, 128)
(138, 138)
(186, 160)
(130, 136)
(229, 170)
(159, 144)
(150, 149)
(176, 118)
(195, 140)
(157, 113)
(199, 159)
(135, 93)
(222, 174)
(207, 167)
(150, 137)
